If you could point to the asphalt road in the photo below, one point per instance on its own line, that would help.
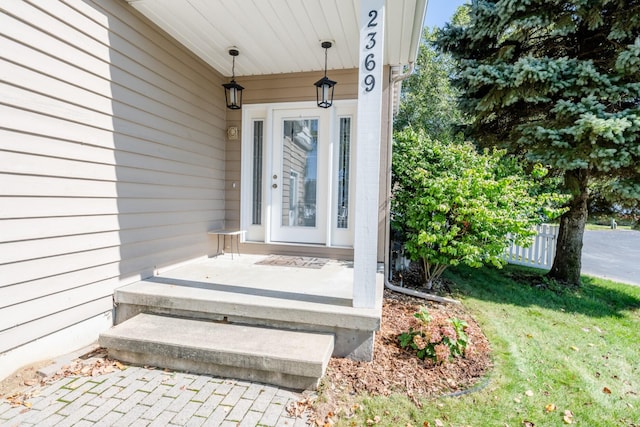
(612, 254)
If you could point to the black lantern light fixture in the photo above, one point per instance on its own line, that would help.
(232, 90)
(325, 86)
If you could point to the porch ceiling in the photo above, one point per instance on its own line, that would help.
(282, 36)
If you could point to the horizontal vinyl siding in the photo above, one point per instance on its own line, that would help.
(112, 160)
(296, 86)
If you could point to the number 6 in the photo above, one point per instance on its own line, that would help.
(369, 63)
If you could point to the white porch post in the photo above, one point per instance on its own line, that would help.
(369, 125)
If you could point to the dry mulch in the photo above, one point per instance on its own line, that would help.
(396, 370)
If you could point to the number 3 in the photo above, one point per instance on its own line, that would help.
(372, 41)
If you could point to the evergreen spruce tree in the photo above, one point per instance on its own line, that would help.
(556, 82)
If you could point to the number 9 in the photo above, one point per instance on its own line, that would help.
(370, 83)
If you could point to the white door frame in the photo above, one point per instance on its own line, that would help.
(288, 233)
(268, 114)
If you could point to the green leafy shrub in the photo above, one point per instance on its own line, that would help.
(453, 205)
(437, 339)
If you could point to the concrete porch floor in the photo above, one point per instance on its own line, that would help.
(332, 284)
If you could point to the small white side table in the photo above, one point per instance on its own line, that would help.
(231, 232)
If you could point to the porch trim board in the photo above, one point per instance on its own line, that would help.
(369, 118)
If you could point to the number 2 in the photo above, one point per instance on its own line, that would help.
(373, 14)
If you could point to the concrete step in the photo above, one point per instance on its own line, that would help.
(176, 296)
(285, 358)
(352, 327)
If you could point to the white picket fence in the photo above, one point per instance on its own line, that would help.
(540, 254)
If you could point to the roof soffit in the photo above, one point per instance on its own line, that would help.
(282, 36)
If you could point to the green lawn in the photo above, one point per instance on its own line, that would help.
(577, 350)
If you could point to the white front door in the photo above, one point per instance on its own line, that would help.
(297, 163)
(298, 176)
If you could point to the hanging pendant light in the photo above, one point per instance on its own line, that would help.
(325, 86)
(232, 90)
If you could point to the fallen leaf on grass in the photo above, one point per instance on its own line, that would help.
(568, 417)
(528, 393)
(574, 348)
(373, 421)
(516, 399)
(550, 407)
(438, 423)
(606, 390)
(527, 423)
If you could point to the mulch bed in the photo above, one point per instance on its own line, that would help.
(396, 370)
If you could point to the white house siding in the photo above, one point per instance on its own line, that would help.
(112, 166)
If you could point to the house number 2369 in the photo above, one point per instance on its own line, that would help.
(370, 59)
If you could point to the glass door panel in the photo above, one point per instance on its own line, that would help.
(300, 156)
(299, 172)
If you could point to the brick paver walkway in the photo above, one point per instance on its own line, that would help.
(143, 397)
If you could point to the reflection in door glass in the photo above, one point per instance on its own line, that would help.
(256, 211)
(299, 172)
(343, 172)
